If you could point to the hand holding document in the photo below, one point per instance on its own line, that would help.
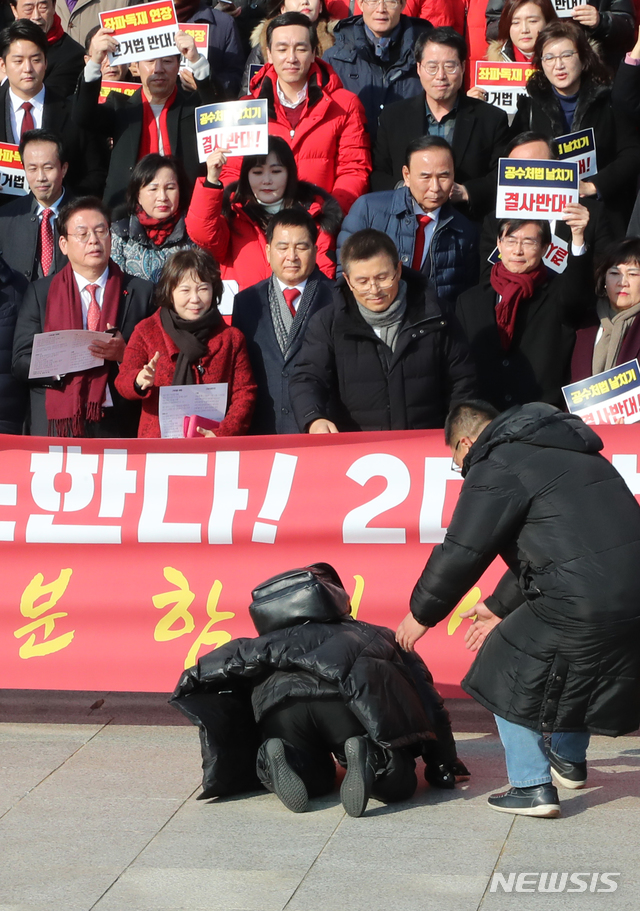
(64, 351)
(208, 400)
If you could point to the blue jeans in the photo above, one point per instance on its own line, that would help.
(526, 756)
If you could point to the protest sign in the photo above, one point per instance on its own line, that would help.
(143, 32)
(122, 88)
(611, 397)
(199, 31)
(12, 179)
(535, 189)
(503, 82)
(564, 8)
(581, 148)
(241, 127)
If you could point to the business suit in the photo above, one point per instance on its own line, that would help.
(271, 368)
(479, 137)
(86, 153)
(20, 237)
(120, 118)
(135, 305)
(65, 62)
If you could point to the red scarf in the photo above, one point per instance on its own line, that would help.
(56, 32)
(513, 287)
(149, 139)
(158, 229)
(518, 56)
(83, 393)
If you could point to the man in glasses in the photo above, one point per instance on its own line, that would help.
(476, 131)
(373, 55)
(521, 324)
(384, 355)
(90, 292)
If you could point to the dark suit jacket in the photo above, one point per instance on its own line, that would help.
(86, 153)
(20, 235)
(65, 62)
(135, 305)
(479, 138)
(271, 369)
(120, 118)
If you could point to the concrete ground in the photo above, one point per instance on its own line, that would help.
(98, 811)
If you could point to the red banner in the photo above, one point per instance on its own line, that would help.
(125, 560)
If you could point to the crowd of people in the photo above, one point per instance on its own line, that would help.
(354, 277)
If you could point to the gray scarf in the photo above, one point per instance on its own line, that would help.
(614, 327)
(387, 324)
(284, 324)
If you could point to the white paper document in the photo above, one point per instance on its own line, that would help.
(64, 351)
(208, 400)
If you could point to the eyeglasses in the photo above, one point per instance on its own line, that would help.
(449, 66)
(527, 244)
(454, 465)
(82, 237)
(552, 59)
(386, 4)
(378, 284)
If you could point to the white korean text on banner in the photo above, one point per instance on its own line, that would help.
(581, 148)
(535, 189)
(12, 178)
(611, 397)
(240, 127)
(143, 32)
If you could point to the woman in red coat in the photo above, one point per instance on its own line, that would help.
(187, 342)
(230, 222)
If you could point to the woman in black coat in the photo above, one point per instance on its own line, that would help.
(570, 91)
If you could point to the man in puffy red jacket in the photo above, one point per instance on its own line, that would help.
(308, 107)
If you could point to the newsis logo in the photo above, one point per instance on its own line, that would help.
(554, 882)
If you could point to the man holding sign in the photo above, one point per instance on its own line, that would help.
(159, 117)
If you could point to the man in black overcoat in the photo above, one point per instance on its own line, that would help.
(273, 327)
(559, 635)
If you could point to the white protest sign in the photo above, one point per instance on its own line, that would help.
(535, 189)
(143, 32)
(241, 127)
(581, 148)
(610, 397)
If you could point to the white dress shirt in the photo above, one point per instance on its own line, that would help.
(17, 115)
(429, 229)
(85, 298)
(299, 288)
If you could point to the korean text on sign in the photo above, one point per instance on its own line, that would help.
(122, 88)
(611, 397)
(143, 32)
(564, 8)
(12, 179)
(581, 148)
(241, 127)
(503, 82)
(199, 31)
(535, 189)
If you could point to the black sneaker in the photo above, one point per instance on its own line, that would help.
(537, 800)
(569, 774)
(288, 786)
(360, 775)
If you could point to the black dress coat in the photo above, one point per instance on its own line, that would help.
(20, 237)
(480, 135)
(271, 368)
(617, 142)
(538, 493)
(120, 118)
(65, 62)
(135, 305)
(85, 152)
(346, 374)
(13, 394)
(537, 363)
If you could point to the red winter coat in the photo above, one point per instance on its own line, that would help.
(437, 12)
(238, 243)
(330, 143)
(226, 362)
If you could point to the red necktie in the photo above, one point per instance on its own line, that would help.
(93, 313)
(418, 250)
(46, 241)
(290, 295)
(27, 120)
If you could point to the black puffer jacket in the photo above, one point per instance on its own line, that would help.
(231, 688)
(567, 655)
(345, 373)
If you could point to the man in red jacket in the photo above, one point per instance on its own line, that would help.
(308, 107)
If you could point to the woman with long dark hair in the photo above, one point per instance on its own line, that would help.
(520, 24)
(230, 222)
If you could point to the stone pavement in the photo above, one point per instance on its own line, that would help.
(98, 811)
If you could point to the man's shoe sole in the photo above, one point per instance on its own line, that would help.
(288, 786)
(566, 782)
(544, 811)
(353, 791)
